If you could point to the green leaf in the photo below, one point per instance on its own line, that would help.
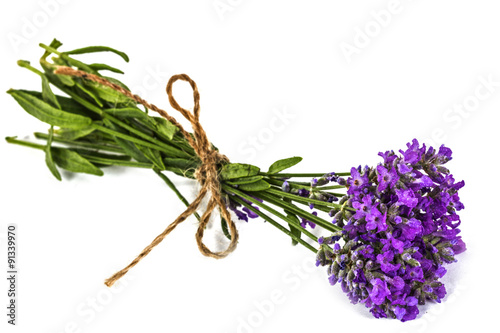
(48, 114)
(224, 227)
(245, 180)
(92, 49)
(71, 106)
(47, 94)
(293, 229)
(165, 127)
(181, 163)
(89, 92)
(117, 82)
(73, 134)
(129, 147)
(93, 153)
(67, 104)
(128, 113)
(107, 93)
(74, 162)
(260, 185)
(153, 155)
(180, 172)
(48, 155)
(76, 63)
(100, 67)
(283, 164)
(238, 170)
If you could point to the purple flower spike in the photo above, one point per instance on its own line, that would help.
(403, 229)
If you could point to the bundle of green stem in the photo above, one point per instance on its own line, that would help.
(95, 126)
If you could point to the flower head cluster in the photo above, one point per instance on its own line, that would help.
(400, 225)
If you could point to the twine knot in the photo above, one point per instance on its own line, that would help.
(206, 174)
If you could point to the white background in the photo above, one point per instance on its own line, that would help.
(274, 82)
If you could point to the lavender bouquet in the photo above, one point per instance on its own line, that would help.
(387, 230)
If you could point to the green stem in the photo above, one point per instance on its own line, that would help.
(306, 186)
(26, 64)
(303, 200)
(108, 161)
(333, 187)
(276, 224)
(176, 142)
(12, 139)
(114, 149)
(289, 175)
(269, 209)
(296, 185)
(91, 158)
(173, 188)
(168, 151)
(297, 211)
(339, 195)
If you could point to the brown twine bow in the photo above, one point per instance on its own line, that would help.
(206, 174)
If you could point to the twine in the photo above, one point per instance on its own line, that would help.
(206, 174)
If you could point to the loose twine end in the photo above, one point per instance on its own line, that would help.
(207, 173)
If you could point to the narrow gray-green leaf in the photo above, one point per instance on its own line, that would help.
(283, 164)
(183, 173)
(74, 162)
(128, 113)
(76, 63)
(260, 185)
(48, 155)
(224, 227)
(106, 93)
(73, 134)
(181, 163)
(293, 229)
(153, 155)
(129, 147)
(165, 127)
(100, 67)
(93, 153)
(238, 170)
(92, 49)
(47, 94)
(67, 104)
(244, 180)
(90, 92)
(116, 81)
(48, 114)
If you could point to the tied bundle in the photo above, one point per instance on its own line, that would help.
(387, 231)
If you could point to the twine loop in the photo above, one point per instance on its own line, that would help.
(206, 174)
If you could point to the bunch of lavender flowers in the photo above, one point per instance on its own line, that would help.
(403, 229)
(393, 228)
